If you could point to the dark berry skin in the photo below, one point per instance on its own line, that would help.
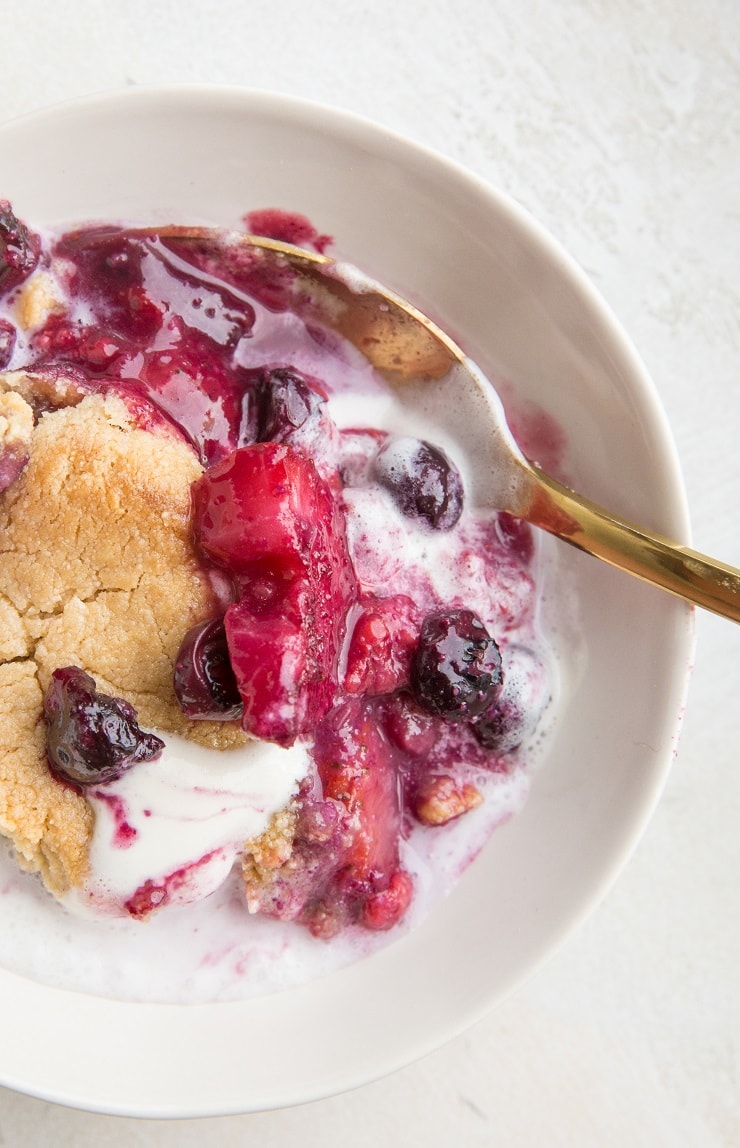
(456, 667)
(91, 738)
(19, 249)
(503, 727)
(423, 481)
(516, 712)
(205, 685)
(7, 342)
(287, 402)
(281, 402)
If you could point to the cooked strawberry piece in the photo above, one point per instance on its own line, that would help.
(385, 909)
(262, 501)
(358, 771)
(356, 764)
(410, 728)
(279, 682)
(267, 516)
(344, 868)
(380, 648)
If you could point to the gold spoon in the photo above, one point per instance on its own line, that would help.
(426, 368)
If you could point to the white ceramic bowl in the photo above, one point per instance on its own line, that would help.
(519, 306)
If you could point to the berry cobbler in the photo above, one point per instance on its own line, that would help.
(252, 629)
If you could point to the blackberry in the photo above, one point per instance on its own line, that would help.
(456, 666)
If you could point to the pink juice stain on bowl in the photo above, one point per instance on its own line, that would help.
(288, 227)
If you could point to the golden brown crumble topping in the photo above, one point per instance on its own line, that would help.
(98, 570)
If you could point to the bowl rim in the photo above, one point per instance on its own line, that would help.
(261, 101)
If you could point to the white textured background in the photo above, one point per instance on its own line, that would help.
(617, 123)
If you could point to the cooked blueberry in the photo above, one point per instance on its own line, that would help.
(502, 727)
(286, 402)
(205, 685)
(422, 479)
(456, 667)
(19, 249)
(7, 342)
(92, 738)
(515, 714)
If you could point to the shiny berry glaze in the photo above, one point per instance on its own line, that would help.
(146, 320)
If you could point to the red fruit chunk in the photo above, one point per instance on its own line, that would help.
(267, 516)
(344, 868)
(356, 766)
(280, 684)
(409, 728)
(261, 502)
(380, 648)
(383, 910)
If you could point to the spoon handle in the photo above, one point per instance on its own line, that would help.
(655, 559)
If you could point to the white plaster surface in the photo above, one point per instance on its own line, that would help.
(617, 123)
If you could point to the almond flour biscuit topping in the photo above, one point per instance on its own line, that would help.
(98, 570)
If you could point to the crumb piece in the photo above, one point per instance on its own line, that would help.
(442, 799)
(43, 391)
(264, 855)
(16, 422)
(37, 299)
(275, 846)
